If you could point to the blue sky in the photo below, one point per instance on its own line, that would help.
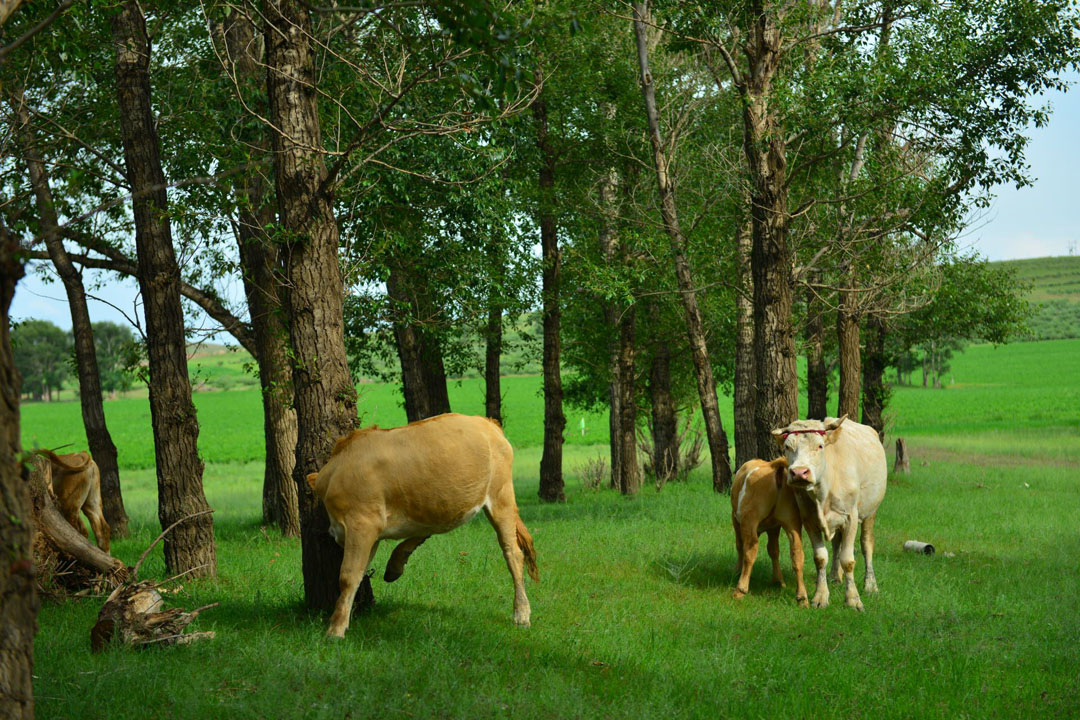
(1036, 221)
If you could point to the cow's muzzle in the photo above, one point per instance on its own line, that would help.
(801, 477)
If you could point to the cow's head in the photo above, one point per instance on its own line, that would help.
(803, 444)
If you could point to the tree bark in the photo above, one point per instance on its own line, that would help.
(706, 384)
(763, 141)
(93, 410)
(608, 247)
(551, 477)
(847, 335)
(873, 376)
(664, 431)
(190, 545)
(628, 479)
(745, 437)
(18, 589)
(817, 376)
(325, 398)
(422, 372)
(493, 335)
(261, 266)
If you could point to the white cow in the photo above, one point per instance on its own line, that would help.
(837, 470)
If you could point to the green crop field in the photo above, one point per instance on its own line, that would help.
(633, 616)
(1055, 288)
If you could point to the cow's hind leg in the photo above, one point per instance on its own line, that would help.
(866, 537)
(501, 511)
(738, 544)
(749, 544)
(92, 509)
(400, 556)
(360, 541)
(836, 574)
(774, 555)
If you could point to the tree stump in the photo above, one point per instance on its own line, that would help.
(903, 460)
(134, 615)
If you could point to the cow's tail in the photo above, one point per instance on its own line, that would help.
(524, 541)
(55, 460)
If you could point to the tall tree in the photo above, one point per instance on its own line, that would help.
(189, 547)
(18, 587)
(261, 270)
(718, 446)
(551, 479)
(86, 364)
(325, 398)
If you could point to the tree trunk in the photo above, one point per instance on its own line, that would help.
(706, 384)
(261, 267)
(18, 589)
(817, 375)
(493, 335)
(745, 437)
(664, 431)
(608, 247)
(629, 477)
(493, 363)
(325, 398)
(551, 477)
(431, 364)
(763, 141)
(93, 410)
(422, 372)
(190, 545)
(847, 335)
(873, 377)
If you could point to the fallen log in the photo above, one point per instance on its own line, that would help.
(59, 545)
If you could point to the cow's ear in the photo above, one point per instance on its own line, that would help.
(780, 467)
(779, 435)
(832, 429)
(311, 478)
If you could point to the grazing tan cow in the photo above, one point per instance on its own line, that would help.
(762, 501)
(838, 471)
(76, 482)
(411, 482)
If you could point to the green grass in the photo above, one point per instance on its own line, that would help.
(1055, 288)
(634, 616)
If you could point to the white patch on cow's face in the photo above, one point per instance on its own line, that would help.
(805, 452)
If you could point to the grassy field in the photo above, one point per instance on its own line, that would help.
(1055, 287)
(633, 616)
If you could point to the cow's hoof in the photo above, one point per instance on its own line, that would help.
(803, 602)
(870, 586)
(780, 582)
(855, 603)
(522, 622)
(820, 602)
(739, 594)
(335, 633)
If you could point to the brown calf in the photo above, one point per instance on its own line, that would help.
(762, 501)
(76, 482)
(412, 482)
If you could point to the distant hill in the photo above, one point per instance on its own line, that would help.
(1055, 289)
